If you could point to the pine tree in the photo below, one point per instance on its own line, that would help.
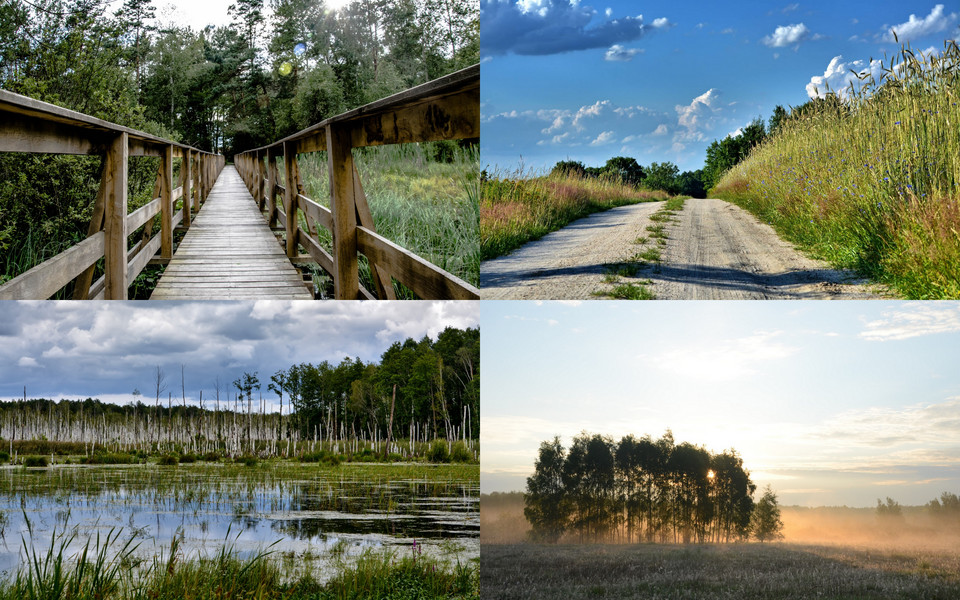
(766, 521)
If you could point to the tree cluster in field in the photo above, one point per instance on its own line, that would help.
(724, 154)
(431, 389)
(644, 490)
(224, 89)
(664, 176)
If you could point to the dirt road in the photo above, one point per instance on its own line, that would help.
(714, 250)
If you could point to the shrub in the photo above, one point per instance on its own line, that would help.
(247, 461)
(460, 453)
(211, 457)
(169, 460)
(4, 456)
(188, 458)
(35, 461)
(323, 457)
(105, 458)
(438, 452)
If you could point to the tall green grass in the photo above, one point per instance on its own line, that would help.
(870, 181)
(423, 197)
(106, 569)
(516, 208)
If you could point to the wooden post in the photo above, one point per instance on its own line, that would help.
(292, 174)
(271, 195)
(196, 175)
(166, 202)
(381, 277)
(343, 204)
(115, 215)
(261, 181)
(186, 177)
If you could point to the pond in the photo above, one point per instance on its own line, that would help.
(313, 518)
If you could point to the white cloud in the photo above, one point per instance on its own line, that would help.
(914, 27)
(913, 320)
(662, 22)
(838, 76)
(27, 361)
(660, 130)
(727, 31)
(698, 115)
(786, 35)
(790, 8)
(621, 54)
(724, 361)
(736, 133)
(605, 137)
(881, 427)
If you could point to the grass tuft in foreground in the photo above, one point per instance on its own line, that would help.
(870, 182)
(518, 208)
(100, 571)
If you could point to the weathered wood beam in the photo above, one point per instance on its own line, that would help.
(425, 279)
(45, 279)
(344, 208)
(166, 203)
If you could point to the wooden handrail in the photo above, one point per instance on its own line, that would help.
(28, 125)
(444, 109)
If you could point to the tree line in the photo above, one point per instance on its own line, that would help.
(644, 490)
(664, 176)
(419, 391)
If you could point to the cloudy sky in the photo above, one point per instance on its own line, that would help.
(830, 403)
(659, 80)
(107, 349)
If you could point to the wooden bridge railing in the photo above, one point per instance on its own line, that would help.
(27, 125)
(444, 109)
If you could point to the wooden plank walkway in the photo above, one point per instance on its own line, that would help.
(230, 253)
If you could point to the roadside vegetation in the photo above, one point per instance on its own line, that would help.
(867, 178)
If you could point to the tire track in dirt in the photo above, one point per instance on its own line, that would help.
(715, 251)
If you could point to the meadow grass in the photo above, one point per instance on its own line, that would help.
(870, 182)
(424, 205)
(743, 571)
(516, 208)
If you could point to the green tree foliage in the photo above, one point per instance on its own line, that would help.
(437, 390)
(545, 503)
(890, 509)
(723, 154)
(625, 169)
(638, 489)
(765, 522)
(572, 168)
(663, 176)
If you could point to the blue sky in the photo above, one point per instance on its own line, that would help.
(588, 80)
(105, 350)
(830, 403)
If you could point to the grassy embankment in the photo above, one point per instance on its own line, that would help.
(94, 574)
(516, 208)
(427, 206)
(870, 184)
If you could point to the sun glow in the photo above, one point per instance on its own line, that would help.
(710, 474)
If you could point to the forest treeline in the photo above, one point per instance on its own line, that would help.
(430, 388)
(642, 490)
(664, 176)
(278, 67)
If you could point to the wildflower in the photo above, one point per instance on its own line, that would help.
(897, 123)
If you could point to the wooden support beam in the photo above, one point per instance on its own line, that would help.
(292, 175)
(272, 187)
(82, 286)
(115, 225)
(43, 280)
(344, 207)
(381, 277)
(186, 175)
(166, 203)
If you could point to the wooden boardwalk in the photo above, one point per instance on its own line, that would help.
(230, 253)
